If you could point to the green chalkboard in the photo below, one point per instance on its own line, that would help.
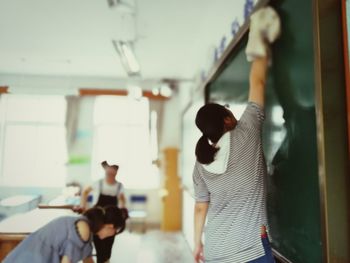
(289, 133)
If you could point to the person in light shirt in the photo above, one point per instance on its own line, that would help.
(111, 193)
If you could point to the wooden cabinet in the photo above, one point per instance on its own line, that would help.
(172, 197)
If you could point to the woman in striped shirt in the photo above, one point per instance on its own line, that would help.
(229, 180)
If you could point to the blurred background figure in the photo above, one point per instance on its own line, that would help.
(111, 193)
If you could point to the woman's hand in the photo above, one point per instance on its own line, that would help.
(65, 259)
(198, 253)
(107, 230)
(88, 260)
(200, 214)
(78, 209)
(84, 197)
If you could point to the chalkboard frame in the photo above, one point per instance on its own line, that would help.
(333, 154)
(346, 32)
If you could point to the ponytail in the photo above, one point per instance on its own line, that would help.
(210, 120)
(205, 152)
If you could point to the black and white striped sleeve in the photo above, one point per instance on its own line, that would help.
(253, 116)
(201, 192)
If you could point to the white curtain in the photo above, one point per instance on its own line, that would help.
(72, 117)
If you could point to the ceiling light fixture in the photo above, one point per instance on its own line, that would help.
(155, 91)
(127, 57)
(165, 90)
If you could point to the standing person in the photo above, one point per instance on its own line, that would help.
(111, 193)
(229, 174)
(68, 239)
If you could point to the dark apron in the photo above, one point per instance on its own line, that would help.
(104, 246)
(107, 200)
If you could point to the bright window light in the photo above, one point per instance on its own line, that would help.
(127, 57)
(33, 140)
(122, 136)
(130, 58)
(277, 115)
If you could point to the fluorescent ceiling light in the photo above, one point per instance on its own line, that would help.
(127, 57)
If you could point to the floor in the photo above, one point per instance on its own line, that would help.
(153, 247)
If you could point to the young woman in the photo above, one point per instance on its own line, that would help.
(229, 180)
(111, 193)
(229, 175)
(68, 239)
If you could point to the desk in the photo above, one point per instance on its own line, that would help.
(18, 204)
(16, 228)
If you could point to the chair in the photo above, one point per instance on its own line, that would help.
(138, 212)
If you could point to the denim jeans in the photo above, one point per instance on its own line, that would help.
(268, 258)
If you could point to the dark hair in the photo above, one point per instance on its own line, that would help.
(106, 165)
(114, 215)
(96, 218)
(99, 216)
(210, 121)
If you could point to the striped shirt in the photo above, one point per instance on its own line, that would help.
(236, 197)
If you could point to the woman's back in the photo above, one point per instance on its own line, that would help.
(58, 238)
(237, 196)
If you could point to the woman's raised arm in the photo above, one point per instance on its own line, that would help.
(257, 80)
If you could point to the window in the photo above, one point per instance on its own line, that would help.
(32, 140)
(122, 136)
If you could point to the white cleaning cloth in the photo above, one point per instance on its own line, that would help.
(265, 26)
(221, 158)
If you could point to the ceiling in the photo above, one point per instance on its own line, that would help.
(73, 37)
